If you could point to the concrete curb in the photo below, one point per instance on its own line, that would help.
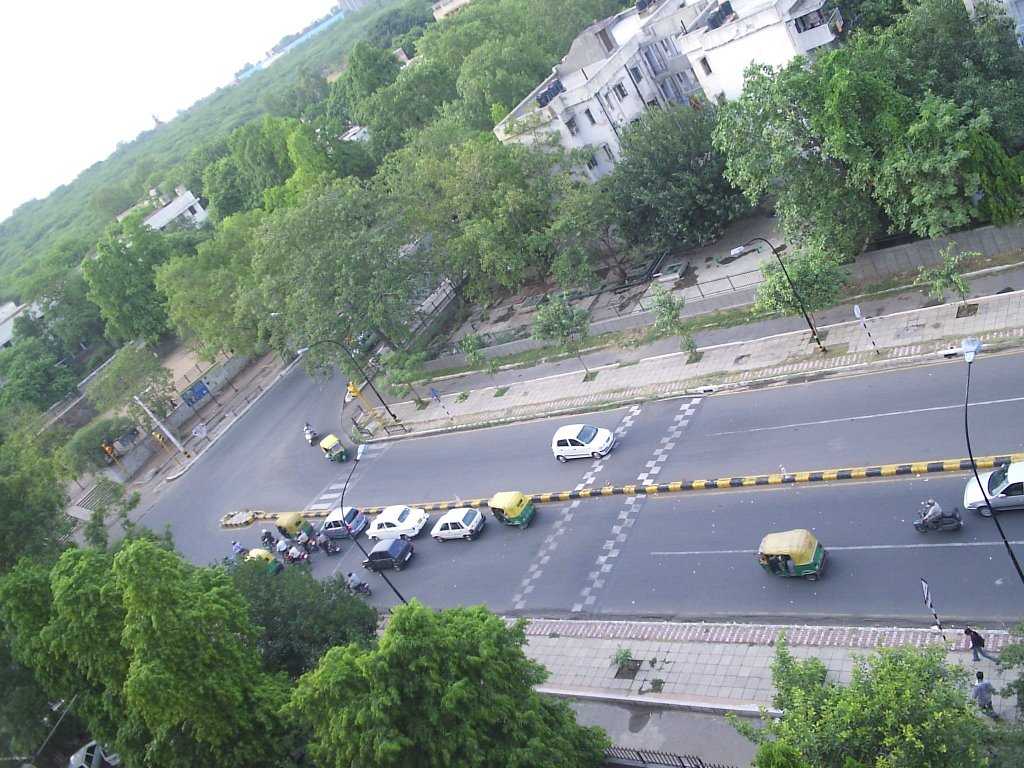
(284, 372)
(660, 700)
(788, 378)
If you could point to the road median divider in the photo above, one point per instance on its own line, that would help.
(243, 518)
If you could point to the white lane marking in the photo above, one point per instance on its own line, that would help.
(936, 545)
(312, 507)
(331, 495)
(867, 416)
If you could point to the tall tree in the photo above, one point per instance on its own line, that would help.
(121, 281)
(670, 185)
(134, 372)
(210, 296)
(439, 689)
(558, 321)
(31, 499)
(31, 376)
(291, 637)
(901, 707)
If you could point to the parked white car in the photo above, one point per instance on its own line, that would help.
(458, 523)
(1005, 488)
(397, 522)
(577, 441)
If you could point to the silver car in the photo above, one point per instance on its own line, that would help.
(1004, 486)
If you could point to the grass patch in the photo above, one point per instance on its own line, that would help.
(420, 403)
(694, 357)
(500, 391)
(627, 363)
(590, 376)
(463, 397)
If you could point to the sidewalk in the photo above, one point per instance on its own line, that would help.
(902, 338)
(719, 668)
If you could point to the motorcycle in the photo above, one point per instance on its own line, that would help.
(947, 521)
(269, 540)
(329, 547)
(310, 434)
(292, 559)
(362, 588)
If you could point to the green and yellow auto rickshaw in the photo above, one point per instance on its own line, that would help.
(265, 557)
(290, 524)
(333, 449)
(795, 553)
(512, 508)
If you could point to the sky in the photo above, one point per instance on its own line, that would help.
(80, 77)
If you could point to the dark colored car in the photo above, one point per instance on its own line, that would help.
(390, 553)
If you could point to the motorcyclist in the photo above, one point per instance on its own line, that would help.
(933, 513)
(322, 541)
(304, 540)
(282, 547)
(269, 541)
(237, 550)
(309, 432)
(295, 554)
(355, 583)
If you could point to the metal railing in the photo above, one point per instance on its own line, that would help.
(627, 757)
(718, 286)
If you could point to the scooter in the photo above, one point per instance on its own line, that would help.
(949, 521)
(310, 434)
(269, 540)
(329, 547)
(362, 588)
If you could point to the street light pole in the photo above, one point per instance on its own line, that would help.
(355, 537)
(970, 347)
(792, 287)
(362, 373)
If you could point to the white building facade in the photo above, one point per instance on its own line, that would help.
(185, 209)
(727, 37)
(657, 53)
(615, 69)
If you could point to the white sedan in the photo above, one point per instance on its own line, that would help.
(576, 441)
(397, 522)
(1004, 487)
(459, 523)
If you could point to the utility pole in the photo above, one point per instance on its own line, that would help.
(160, 426)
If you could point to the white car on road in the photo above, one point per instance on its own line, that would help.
(459, 523)
(1004, 486)
(577, 441)
(397, 522)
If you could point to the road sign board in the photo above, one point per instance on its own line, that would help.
(856, 311)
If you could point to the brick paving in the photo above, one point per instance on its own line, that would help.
(718, 667)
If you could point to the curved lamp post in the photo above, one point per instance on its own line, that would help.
(355, 537)
(740, 250)
(970, 348)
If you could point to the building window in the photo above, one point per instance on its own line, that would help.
(654, 60)
(592, 162)
(704, 65)
(606, 40)
(590, 116)
(635, 72)
(608, 153)
(668, 47)
(620, 91)
(669, 90)
(810, 21)
(571, 125)
(192, 210)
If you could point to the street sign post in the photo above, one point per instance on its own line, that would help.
(931, 607)
(864, 324)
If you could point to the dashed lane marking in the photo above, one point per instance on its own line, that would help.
(851, 548)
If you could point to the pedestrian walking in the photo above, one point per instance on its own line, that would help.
(978, 646)
(982, 694)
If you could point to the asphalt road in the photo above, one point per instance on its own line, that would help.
(687, 555)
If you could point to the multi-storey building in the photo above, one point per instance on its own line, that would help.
(656, 53)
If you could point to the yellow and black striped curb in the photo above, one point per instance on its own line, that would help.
(237, 519)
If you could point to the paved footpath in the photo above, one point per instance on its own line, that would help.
(719, 667)
(902, 338)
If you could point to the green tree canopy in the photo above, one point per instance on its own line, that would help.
(121, 281)
(211, 296)
(558, 321)
(902, 707)
(817, 274)
(134, 371)
(298, 617)
(670, 186)
(440, 689)
(31, 376)
(31, 499)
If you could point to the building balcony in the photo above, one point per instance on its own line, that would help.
(823, 34)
